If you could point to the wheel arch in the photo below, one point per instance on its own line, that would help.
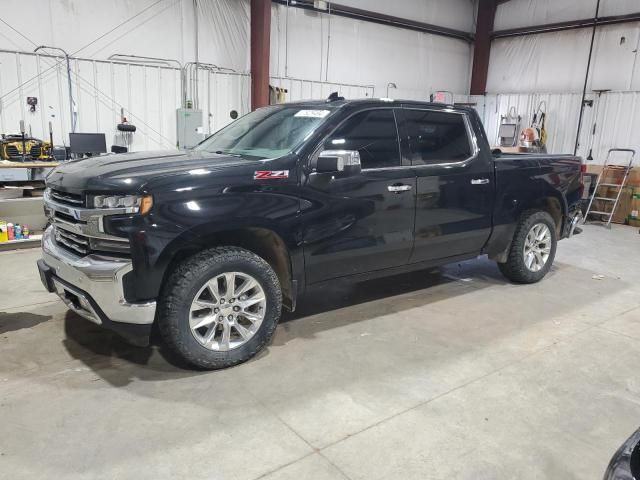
(264, 242)
(552, 202)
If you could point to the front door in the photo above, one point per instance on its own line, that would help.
(363, 222)
(454, 183)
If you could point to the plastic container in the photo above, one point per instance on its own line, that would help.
(3, 232)
(25, 232)
(17, 232)
(10, 232)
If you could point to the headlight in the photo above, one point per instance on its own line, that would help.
(130, 203)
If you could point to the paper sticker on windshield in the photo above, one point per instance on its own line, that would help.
(270, 174)
(312, 113)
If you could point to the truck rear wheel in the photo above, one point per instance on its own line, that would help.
(219, 307)
(533, 248)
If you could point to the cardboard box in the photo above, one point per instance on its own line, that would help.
(623, 208)
(615, 175)
(624, 205)
(634, 209)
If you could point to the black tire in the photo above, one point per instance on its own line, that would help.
(183, 284)
(515, 268)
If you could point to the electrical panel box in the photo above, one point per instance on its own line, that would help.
(189, 127)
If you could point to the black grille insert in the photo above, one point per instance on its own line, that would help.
(78, 244)
(71, 199)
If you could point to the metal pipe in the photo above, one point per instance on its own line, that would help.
(195, 34)
(286, 41)
(586, 78)
(326, 70)
(568, 25)
(382, 19)
(143, 59)
(71, 102)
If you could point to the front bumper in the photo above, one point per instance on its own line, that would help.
(92, 286)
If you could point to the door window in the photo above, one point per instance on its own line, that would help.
(373, 133)
(432, 137)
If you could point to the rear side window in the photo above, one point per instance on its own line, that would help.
(431, 137)
(373, 133)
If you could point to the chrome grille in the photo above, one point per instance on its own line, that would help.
(82, 245)
(65, 198)
(78, 244)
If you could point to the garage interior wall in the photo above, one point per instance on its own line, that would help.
(148, 93)
(313, 45)
(316, 52)
(550, 67)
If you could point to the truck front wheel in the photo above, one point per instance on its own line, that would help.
(219, 307)
(533, 248)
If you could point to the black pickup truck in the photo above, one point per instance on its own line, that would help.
(209, 244)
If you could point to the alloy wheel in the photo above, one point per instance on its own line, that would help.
(227, 311)
(537, 247)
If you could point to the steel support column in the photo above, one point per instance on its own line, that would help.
(260, 44)
(482, 46)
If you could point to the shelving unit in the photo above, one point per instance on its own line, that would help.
(31, 242)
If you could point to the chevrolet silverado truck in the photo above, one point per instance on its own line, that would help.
(208, 245)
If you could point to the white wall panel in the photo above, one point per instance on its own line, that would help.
(148, 94)
(365, 53)
(617, 124)
(616, 116)
(556, 62)
(98, 28)
(562, 116)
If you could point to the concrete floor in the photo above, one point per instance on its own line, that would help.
(450, 375)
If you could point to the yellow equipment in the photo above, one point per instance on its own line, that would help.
(17, 148)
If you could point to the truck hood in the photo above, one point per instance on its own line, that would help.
(130, 172)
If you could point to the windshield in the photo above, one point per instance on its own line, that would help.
(269, 132)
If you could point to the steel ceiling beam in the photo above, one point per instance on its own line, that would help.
(568, 25)
(380, 18)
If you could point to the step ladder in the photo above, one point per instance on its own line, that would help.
(610, 169)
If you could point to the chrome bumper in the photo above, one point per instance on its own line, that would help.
(93, 285)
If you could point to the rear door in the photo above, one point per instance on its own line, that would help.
(363, 222)
(454, 182)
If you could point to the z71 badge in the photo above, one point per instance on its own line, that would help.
(270, 174)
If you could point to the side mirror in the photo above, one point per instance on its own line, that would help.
(338, 161)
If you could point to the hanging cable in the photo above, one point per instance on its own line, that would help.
(586, 78)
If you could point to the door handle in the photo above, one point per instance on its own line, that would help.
(479, 181)
(399, 188)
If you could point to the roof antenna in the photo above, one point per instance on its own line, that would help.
(334, 97)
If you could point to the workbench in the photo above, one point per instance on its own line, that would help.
(10, 164)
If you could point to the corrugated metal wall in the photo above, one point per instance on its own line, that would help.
(148, 94)
(616, 125)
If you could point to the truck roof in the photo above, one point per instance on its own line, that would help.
(375, 101)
